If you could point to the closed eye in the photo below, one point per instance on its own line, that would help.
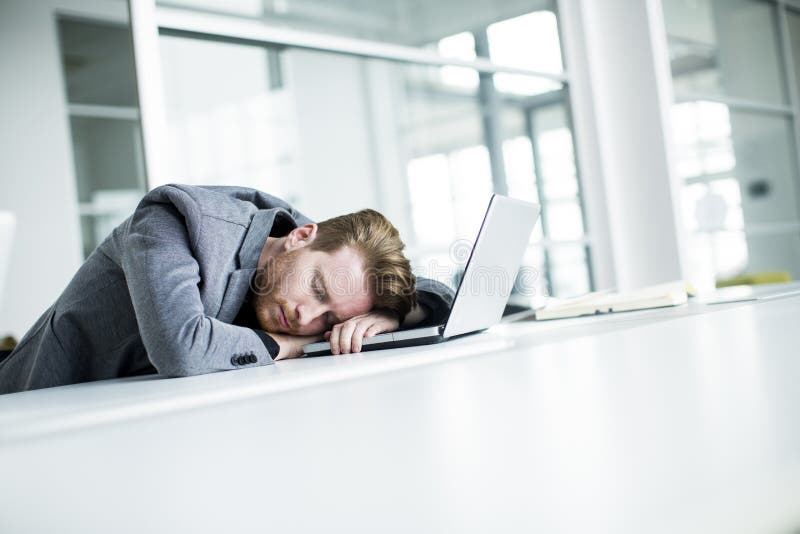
(319, 289)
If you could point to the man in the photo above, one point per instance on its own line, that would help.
(206, 279)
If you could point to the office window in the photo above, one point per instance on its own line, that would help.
(569, 269)
(726, 48)
(734, 132)
(430, 191)
(448, 194)
(458, 46)
(464, 176)
(536, 134)
(528, 41)
(567, 256)
(520, 174)
(703, 138)
(472, 186)
(559, 179)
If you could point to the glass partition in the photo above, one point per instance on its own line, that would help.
(727, 48)
(97, 60)
(735, 132)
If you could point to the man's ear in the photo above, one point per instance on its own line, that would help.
(300, 236)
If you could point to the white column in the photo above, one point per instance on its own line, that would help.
(587, 151)
(628, 73)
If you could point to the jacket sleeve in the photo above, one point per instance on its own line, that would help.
(163, 277)
(436, 299)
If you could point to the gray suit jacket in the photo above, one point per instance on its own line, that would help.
(160, 293)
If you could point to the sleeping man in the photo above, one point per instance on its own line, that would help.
(207, 279)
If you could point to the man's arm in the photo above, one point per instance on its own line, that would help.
(415, 317)
(433, 304)
(434, 300)
(292, 346)
(163, 277)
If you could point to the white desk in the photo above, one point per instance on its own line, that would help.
(676, 420)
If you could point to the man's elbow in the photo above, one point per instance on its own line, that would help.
(177, 368)
(182, 352)
(179, 372)
(178, 360)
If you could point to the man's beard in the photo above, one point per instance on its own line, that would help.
(269, 286)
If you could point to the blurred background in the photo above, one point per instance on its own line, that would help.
(660, 137)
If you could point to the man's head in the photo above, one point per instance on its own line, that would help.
(327, 273)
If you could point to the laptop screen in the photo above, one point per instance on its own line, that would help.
(492, 266)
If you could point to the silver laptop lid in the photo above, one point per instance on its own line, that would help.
(492, 266)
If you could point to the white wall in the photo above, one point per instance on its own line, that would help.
(334, 142)
(36, 168)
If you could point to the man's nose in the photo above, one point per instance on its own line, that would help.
(306, 313)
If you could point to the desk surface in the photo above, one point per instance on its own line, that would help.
(674, 420)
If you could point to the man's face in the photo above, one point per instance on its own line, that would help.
(305, 292)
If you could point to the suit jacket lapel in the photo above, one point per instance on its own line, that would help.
(235, 293)
(249, 252)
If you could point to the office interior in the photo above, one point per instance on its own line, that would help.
(660, 137)
(678, 165)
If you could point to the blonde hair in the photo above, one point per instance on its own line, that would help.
(389, 272)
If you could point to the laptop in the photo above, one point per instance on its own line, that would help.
(485, 287)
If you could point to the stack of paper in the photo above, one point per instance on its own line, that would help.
(669, 294)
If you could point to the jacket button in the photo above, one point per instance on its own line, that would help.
(252, 358)
(234, 360)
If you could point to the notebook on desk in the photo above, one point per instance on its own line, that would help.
(658, 296)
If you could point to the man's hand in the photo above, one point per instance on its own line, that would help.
(346, 337)
(292, 346)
